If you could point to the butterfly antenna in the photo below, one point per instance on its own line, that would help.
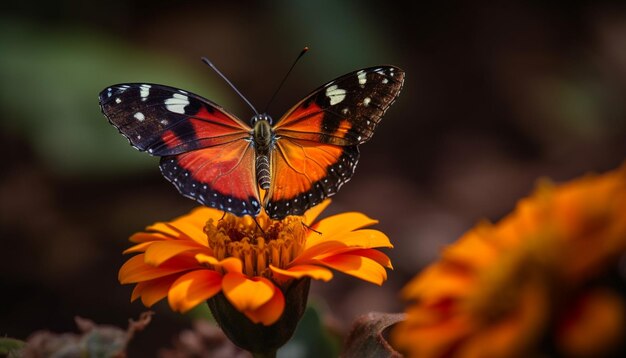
(304, 50)
(206, 60)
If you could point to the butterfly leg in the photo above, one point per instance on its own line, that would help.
(258, 225)
(310, 228)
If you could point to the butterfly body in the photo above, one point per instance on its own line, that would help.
(285, 167)
(264, 138)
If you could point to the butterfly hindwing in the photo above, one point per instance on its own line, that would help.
(164, 120)
(317, 147)
(304, 173)
(220, 176)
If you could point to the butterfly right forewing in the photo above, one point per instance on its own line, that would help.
(344, 111)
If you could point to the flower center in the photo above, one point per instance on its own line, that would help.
(257, 244)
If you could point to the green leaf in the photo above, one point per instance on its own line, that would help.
(9, 347)
(311, 339)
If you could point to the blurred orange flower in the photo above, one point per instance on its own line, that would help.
(199, 255)
(534, 283)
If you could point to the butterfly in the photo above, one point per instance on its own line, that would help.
(286, 167)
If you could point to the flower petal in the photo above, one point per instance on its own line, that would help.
(136, 270)
(299, 271)
(162, 229)
(153, 291)
(312, 214)
(443, 279)
(193, 288)
(162, 251)
(315, 249)
(342, 223)
(200, 215)
(230, 264)
(185, 227)
(140, 237)
(247, 293)
(270, 312)
(141, 247)
(361, 267)
(375, 255)
(191, 231)
(192, 224)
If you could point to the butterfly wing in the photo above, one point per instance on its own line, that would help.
(220, 176)
(316, 151)
(305, 172)
(164, 120)
(206, 152)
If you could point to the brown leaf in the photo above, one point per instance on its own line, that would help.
(368, 337)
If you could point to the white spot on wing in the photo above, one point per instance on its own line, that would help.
(144, 91)
(139, 116)
(335, 94)
(362, 77)
(118, 100)
(177, 103)
(366, 101)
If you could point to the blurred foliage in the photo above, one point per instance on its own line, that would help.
(49, 85)
(361, 36)
(94, 340)
(201, 311)
(9, 347)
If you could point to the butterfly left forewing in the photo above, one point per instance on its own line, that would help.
(316, 151)
(163, 120)
(206, 152)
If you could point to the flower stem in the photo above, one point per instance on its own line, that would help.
(271, 354)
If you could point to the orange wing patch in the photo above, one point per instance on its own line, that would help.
(306, 116)
(213, 127)
(221, 176)
(308, 121)
(305, 172)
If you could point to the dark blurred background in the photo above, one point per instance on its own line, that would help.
(496, 96)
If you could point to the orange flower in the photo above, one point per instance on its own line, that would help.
(529, 285)
(205, 253)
